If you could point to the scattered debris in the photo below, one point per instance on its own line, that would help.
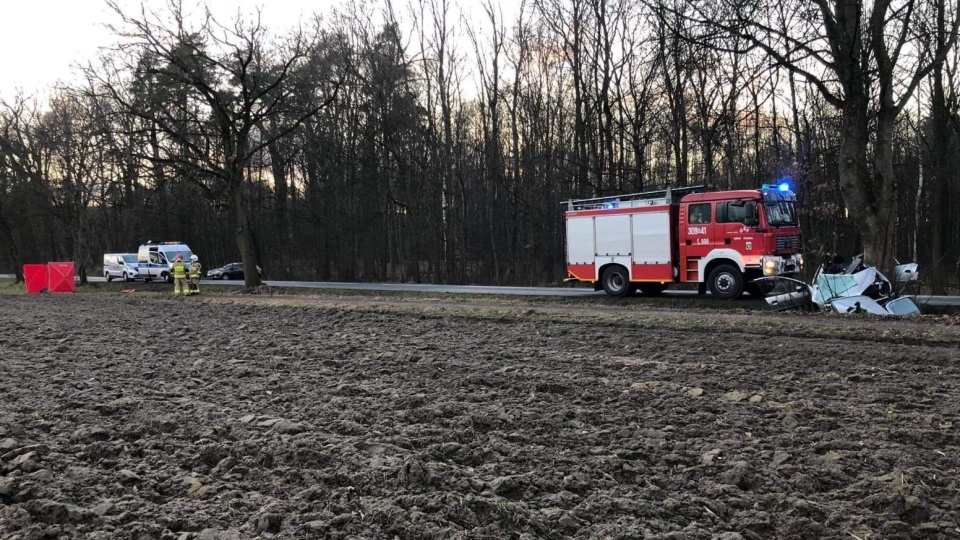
(846, 287)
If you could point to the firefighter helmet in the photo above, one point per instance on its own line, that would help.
(194, 258)
(179, 256)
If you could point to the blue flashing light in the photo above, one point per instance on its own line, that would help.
(609, 205)
(783, 186)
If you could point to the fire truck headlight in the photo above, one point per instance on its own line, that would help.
(800, 261)
(769, 268)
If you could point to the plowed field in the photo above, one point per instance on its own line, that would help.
(241, 417)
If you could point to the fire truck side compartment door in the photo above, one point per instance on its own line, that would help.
(613, 235)
(651, 238)
(580, 248)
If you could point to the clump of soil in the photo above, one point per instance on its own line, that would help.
(197, 419)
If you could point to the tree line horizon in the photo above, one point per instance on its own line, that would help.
(348, 149)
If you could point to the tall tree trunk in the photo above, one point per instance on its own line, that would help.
(241, 214)
(881, 213)
(853, 167)
(939, 210)
(279, 169)
(244, 236)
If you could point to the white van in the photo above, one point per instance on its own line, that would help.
(120, 265)
(156, 258)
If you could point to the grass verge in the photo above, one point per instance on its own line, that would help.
(644, 315)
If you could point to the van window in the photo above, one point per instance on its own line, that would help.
(129, 259)
(154, 257)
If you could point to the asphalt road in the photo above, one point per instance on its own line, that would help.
(401, 287)
(940, 301)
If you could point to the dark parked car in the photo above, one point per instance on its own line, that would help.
(229, 271)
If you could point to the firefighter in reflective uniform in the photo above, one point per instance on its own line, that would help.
(195, 273)
(179, 270)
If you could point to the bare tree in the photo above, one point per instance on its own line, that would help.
(567, 24)
(213, 87)
(24, 193)
(676, 65)
(866, 59)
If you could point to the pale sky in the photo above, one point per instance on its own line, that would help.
(41, 40)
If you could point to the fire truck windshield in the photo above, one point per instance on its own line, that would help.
(780, 213)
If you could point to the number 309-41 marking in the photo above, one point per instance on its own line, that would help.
(693, 231)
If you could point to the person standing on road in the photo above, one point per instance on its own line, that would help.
(195, 273)
(179, 270)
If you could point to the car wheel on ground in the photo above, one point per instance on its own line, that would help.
(224, 276)
(108, 276)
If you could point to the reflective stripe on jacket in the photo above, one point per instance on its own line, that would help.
(195, 270)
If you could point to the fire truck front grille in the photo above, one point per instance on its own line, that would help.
(788, 242)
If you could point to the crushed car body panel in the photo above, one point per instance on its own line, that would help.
(857, 304)
(846, 287)
(902, 306)
(787, 293)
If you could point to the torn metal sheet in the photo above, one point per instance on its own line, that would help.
(906, 273)
(857, 304)
(864, 304)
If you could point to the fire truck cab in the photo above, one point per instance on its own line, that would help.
(722, 240)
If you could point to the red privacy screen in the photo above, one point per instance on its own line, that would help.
(61, 277)
(55, 277)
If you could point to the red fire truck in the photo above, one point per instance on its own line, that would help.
(721, 240)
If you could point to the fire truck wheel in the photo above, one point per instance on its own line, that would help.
(615, 281)
(725, 282)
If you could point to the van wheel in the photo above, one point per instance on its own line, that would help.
(615, 281)
(166, 277)
(108, 276)
(126, 277)
(725, 282)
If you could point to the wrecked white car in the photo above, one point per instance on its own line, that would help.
(846, 287)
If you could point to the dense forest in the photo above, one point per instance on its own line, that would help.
(429, 143)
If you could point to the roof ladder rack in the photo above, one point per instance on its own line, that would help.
(668, 194)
